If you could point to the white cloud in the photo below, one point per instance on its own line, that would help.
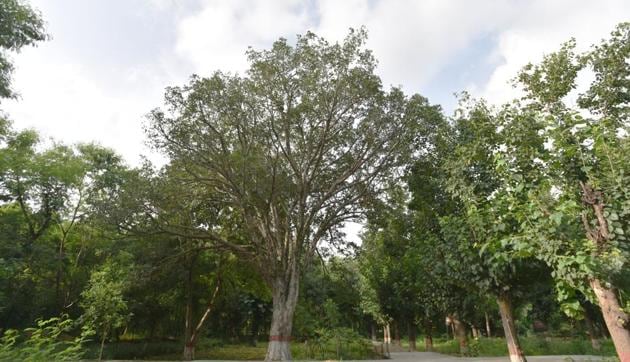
(92, 84)
(62, 100)
(217, 37)
(540, 28)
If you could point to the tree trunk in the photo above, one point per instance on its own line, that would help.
(488, 331)
(387, 339)
(285, 294)
(411, 335)
(509, 328)
(616, 320)
(428, 336)
(590, 329)
(460, 332)
(189, 350)
(191, 342)
(475, 331)
(373, 332)
(397, 335)
(100, 353)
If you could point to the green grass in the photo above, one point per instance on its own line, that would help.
(532, 346)
(214, 350)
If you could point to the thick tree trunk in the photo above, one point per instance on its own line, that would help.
(462, 337)
(285, 295)
(509, 328)
(411, 335)
(488, 331)
(616, 320)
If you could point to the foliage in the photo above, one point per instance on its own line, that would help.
(48, 341)
(20, 26)
(103, 300)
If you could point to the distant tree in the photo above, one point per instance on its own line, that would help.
(103, 301)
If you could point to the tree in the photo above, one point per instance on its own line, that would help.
(575, 215)
(20, 26)
(103, 301)
(295, 148)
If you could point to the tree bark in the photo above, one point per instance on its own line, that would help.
(616, 320)
(509, 328)
(285, 294)
(488, 326)
(461, 335)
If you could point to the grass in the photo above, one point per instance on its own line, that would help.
(532, 346)
(215, 350)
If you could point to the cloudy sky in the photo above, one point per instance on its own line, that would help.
(108, 61)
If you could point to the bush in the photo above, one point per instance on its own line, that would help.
(44, 342)
(336, 343)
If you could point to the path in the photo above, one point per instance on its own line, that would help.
(437, 357)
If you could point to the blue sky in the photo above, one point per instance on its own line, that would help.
(108, 61)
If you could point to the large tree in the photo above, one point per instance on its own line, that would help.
(295, 147)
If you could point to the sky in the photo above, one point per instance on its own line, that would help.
(108, 62)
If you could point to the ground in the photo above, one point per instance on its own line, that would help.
(437, 357)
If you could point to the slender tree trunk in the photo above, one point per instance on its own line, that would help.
(189, 347)
(460, 333)
(411, 335)
(373, 331)
(285, 294)
(509, 328)
(397, 335)
(428, 336)
(387, 339)
(488, 331)
(100, 353)
(475, 331)
(616, 320)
